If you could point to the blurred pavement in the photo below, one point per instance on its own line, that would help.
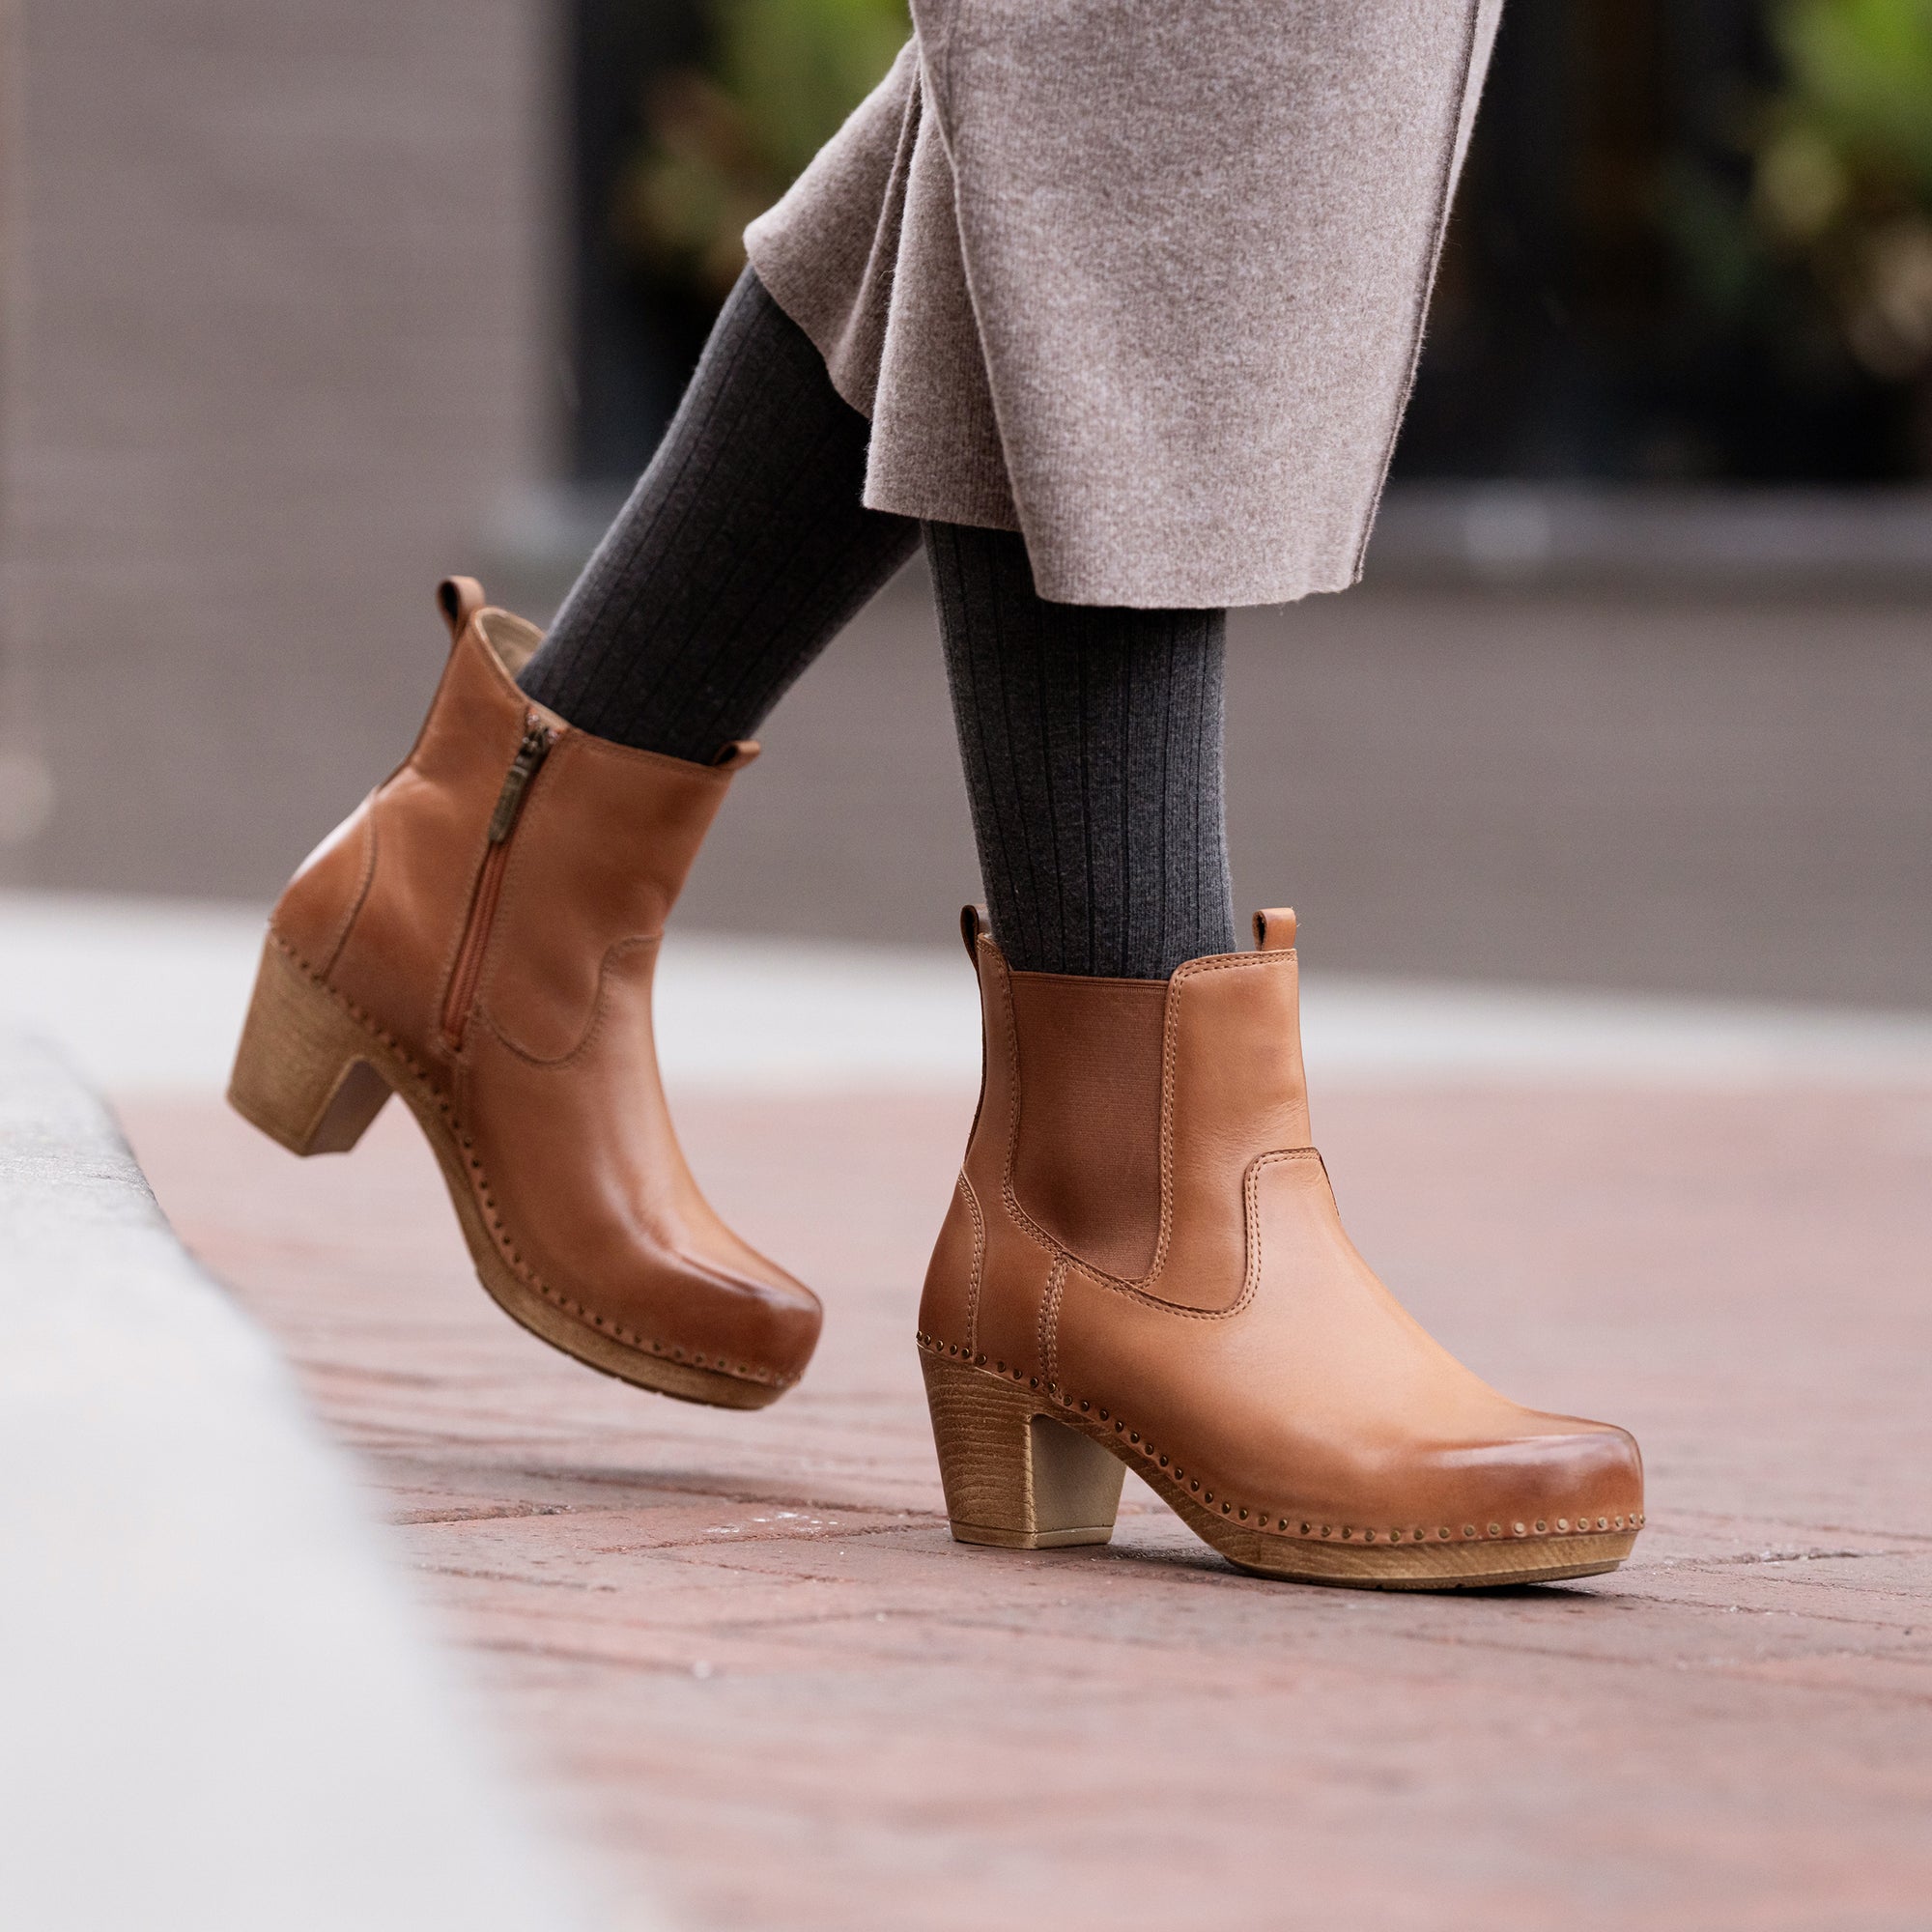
(755, 1669)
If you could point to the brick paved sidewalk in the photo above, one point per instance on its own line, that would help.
(746, 1655)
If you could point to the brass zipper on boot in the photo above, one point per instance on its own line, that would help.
(524, 767)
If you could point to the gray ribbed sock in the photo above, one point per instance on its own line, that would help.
(1092, 740)
(743, 551)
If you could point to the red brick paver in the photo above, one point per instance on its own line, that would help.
(746, 1654)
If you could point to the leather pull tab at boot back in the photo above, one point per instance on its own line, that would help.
(972, 924)
(459, 599)
(1274, 929)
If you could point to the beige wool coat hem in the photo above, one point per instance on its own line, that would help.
(1143, 280)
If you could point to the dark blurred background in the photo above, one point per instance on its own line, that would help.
(309, 305)
(1694, 243)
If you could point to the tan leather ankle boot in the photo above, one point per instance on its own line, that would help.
(479, 936)
(1142, 1268)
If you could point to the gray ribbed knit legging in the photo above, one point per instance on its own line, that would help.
(1091, 737)
(1092, 742)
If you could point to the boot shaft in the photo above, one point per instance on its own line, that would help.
(1118, 1121)
(1144, 1255)
(502, 860)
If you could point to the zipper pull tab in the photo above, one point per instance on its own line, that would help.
(530, 754)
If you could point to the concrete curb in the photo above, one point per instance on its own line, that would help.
(221, 1708)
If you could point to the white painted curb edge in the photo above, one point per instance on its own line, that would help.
(222, 1709)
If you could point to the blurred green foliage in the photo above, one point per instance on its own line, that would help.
(725, 139)
(1830, 248)
(1844, 177)
(1748, 288)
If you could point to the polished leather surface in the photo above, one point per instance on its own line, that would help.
(1254, 1346)
(554, 1088)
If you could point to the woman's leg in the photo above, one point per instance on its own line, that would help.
(744, 549)
(1091, 743)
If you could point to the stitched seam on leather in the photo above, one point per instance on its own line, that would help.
(1251, 1277)
(1413, 1537)
(598, 1011)
(1193, 969)
(718, 777)
(978, 1275)
(1032, 1228)
(1252, 1193)
(1233, 962)
(602, 1325)
(1049, 1317)
(1142, 1290)
(979, 1105)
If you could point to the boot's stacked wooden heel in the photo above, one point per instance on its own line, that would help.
(1144, 1268)
(304, 1072)
(1016, 1475)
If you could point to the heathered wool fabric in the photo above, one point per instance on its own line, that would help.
(742, 552)
(1142, 279)
(1091, 741)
